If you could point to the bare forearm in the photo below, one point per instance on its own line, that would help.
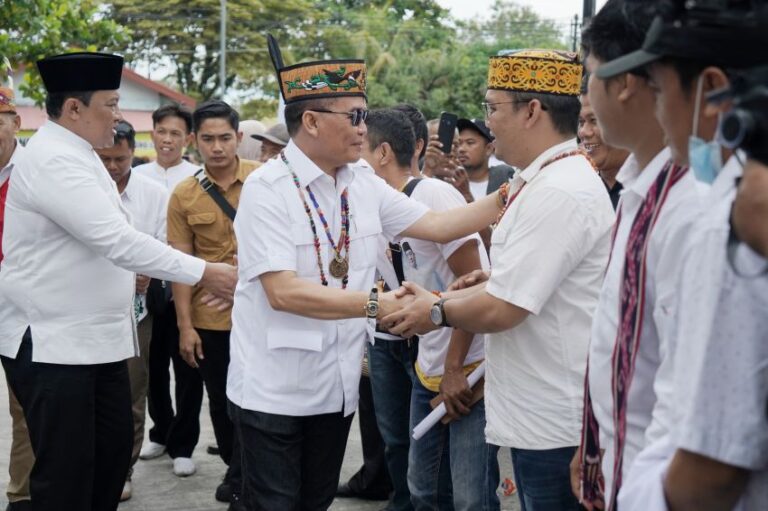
(464, 293)
(446, 226)
(698, 483)
(483, 313)
(299, 296)
(458, 348)
(182, 300)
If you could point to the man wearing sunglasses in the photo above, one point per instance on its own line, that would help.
(307, 231)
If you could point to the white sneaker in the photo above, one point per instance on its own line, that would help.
(184, 467)
(151, 450)
(127, 491)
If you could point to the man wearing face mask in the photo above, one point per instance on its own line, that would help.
(714, 457)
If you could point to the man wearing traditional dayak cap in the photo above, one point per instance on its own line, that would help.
(67, 320)
(713, 453)
(548, 254)
(307, 234)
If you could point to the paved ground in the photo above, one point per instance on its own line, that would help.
(157, 489)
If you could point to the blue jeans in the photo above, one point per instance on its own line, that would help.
(452, 467)
(543, 479)
(392, 376)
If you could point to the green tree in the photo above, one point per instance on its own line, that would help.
(185, 34)
(33, 29)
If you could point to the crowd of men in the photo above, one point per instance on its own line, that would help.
(595, 248)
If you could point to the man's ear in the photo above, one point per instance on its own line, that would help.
(535, 113)
(309, 122)
(72, 108)
(488, 150)
(628, 85)
(714, 79)
(387, 154)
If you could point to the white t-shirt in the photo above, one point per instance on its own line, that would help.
(653, 373)
(426, 264)
(288, 364)
(548, 256)
(478, 189)
(169, 177)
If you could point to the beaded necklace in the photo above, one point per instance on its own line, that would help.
(550, 161)
(339, 266)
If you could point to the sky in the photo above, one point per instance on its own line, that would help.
(561, 10)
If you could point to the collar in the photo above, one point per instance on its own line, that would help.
(307, 171)
(638, 181)
(240, 174)
(57, 130)
(130, 188)
(529, 172)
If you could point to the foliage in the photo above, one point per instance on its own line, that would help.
(33, 29)
(185, 35)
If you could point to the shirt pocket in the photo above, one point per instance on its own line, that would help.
(363, 243)
(294, 360)
(306, 252)
(203, 225)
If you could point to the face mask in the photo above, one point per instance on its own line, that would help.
(704, 158)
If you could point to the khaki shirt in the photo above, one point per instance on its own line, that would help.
(195, 219)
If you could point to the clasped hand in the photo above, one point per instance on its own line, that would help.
(412, 318)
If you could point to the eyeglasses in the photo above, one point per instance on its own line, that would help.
(489, 107)
(357, 115)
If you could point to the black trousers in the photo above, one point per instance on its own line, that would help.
(290, 463)
(81, 429)
(179, 431)
(372, 480)
(213, 368)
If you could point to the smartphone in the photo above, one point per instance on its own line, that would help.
(446, 130)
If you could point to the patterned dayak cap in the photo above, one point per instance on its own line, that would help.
(541, 71)
(318, 79)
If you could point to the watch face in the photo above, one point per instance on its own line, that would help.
(435, 315)
(373, 309)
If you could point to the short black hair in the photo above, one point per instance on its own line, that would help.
(584, 89)
(294, 111)
(215, 109)
(618, 29)
(687, 71)
(124, 131)
(54, 101)
(173, 110)
(395, 128)
(419, 123)
(563, 110)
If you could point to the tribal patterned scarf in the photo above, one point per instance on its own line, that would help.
(631, 306)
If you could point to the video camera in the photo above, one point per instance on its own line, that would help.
(745, 127)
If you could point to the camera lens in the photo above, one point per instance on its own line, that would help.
(736, 128)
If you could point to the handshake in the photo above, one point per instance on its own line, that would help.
(406, 310)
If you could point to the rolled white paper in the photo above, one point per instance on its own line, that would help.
(439, 412)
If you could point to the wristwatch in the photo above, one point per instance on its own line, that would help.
(437, 313)
(372, 305)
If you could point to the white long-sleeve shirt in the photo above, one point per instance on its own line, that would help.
(71, 254)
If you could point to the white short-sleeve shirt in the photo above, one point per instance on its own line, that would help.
(426, 263)
(284, 363)
(653, 365)
(548, 256)
(720, 364)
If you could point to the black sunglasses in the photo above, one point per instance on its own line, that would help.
(357, 115)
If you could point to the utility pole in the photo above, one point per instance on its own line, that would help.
(588, 11)
(223, 50)
(575, 32)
